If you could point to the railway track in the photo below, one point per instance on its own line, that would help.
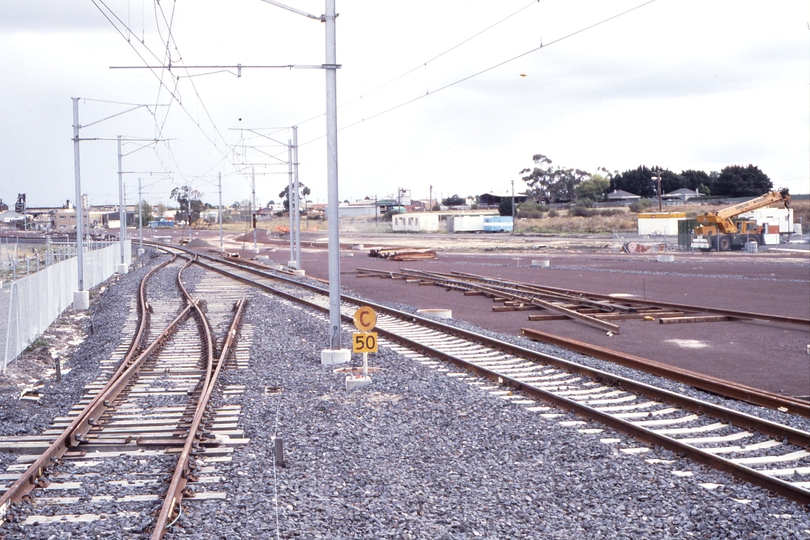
(765, 453)
(146, 423)
(762, 452)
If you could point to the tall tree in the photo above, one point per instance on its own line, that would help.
(552, 183)
(694, 179)
(454, 200)
(739, 181)
(146, 212)
(593, 189)
(185, 197)
(285, 195)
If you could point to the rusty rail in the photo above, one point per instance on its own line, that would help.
(177, 486)
(75, 433)
(692, 378)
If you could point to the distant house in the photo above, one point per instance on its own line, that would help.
(682, 194)
(620, 196)
(492, 199)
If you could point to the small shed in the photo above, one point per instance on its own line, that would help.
(498, 224)
(415, 222)
(659, 223)
(465, 223)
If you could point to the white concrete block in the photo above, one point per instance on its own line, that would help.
(122, 269)
(540, 263)
(356, 382)
(438, 313)
(81, 300)
(332, 357)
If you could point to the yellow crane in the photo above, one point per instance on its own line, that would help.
(722, 232)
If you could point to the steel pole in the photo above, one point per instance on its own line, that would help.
(219, 176)
(78, 204)
(332, 214)
(290, 201)
(255, 210)
(297, 198)
(140, 214)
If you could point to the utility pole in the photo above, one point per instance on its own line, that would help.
(122, 267)
(219, 177)
(332, 185)
(430, 199)
(334, 354)
(297, 189)
(658, 182)
(81, 298)
(291, 261)
(253, 191)
(140, 216)
(513, 207)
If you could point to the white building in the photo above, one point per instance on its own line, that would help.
(422, 222)
(659, 223)
(775, 218)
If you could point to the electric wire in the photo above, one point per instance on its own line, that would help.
(481, 72)
(425, 63)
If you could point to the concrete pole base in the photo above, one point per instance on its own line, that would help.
(81, 300)
(299, 273)
(292, 264)
(356, 382)
(332, 357)
(122, 269)
(141, 251)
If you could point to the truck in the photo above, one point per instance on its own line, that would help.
(722, 232)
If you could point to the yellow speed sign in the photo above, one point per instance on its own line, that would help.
(364, 342)
(365, 319)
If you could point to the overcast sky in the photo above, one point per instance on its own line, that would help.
(682, 84)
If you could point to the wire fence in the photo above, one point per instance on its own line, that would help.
(37, 285)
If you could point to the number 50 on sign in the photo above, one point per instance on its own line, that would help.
(364, 342)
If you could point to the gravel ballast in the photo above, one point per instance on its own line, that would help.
(420, 454)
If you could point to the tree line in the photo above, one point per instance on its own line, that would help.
(550, 183)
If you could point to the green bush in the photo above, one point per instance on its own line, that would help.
(640, 206)
(581, 211)
(531, 210)
(553, 213)
(607, 212)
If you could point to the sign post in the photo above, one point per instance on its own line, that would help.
(364, 342)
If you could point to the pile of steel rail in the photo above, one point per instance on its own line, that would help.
(403, 254)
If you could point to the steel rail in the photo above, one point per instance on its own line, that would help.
(683, 307)
(692, 378)
(506, 293)
(574, 295)
(78, 428)
(643, 434)
(700, 381)
(743, 420)
(177, 485)
(791, 435)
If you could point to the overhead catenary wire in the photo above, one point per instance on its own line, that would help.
(426, 62)
(481, 72)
